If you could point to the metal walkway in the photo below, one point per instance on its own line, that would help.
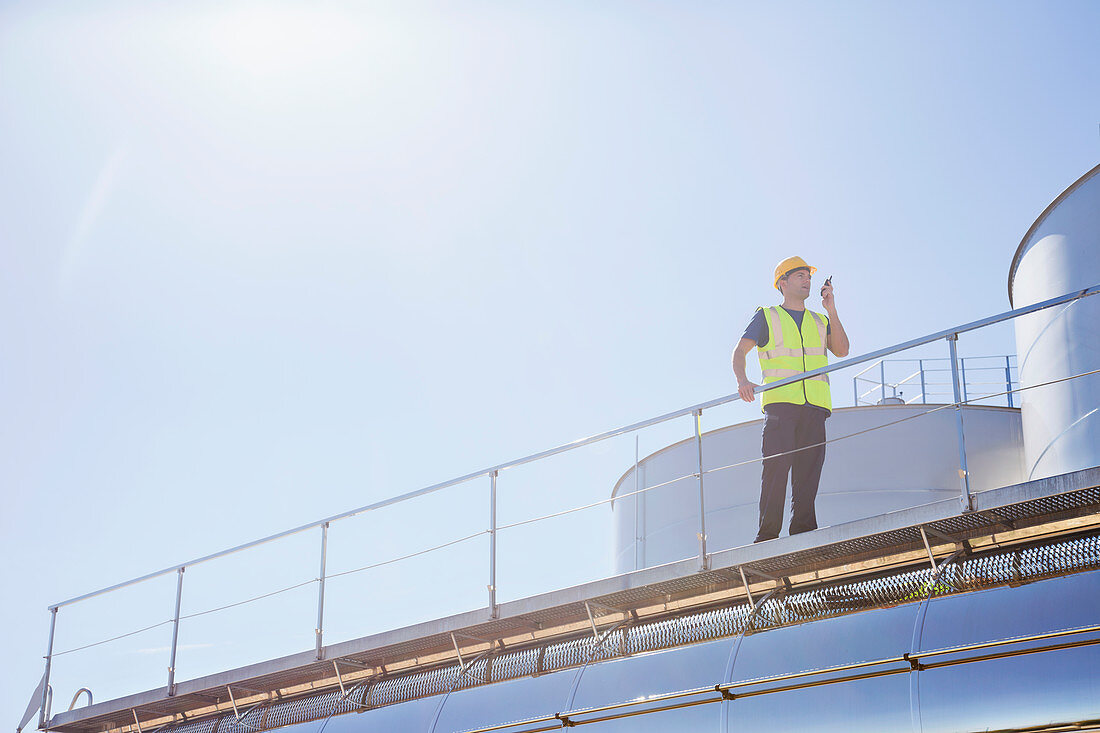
(1002, 517)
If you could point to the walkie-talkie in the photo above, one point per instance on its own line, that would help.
(828, 281)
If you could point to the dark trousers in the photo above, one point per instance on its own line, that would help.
(786, 428)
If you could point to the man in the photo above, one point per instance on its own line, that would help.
(791, 340)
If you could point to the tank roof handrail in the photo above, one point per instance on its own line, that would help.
(581, 442)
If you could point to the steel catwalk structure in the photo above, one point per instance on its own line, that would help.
(972, 613)
(1011, 518)
(702, 562)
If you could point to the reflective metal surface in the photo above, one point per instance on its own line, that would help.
(876, 704)
(513, 700)
(1058, 686)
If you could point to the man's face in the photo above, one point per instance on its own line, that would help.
(796, 284)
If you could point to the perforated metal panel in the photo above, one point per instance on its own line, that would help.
(209, 725)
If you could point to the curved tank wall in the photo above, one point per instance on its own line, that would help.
(1058, 255)
(913, 463)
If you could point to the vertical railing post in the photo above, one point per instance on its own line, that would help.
(697, 419)
(882, 380)
(964, 473)
(855, 391)
(320, 629)
(175, 634)
(492, 587)
(46, 677)
(923, 389)
(639, 510)
(1008, 379)
(962, 365)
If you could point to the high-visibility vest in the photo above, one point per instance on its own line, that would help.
(790, 352)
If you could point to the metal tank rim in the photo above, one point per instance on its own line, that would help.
(1039, 221)
(670, 446)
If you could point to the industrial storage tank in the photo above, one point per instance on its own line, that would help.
(1014, 692)
(911, 463)
(1060, 254)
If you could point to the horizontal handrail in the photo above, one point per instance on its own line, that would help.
(858, 376)
(579, 443)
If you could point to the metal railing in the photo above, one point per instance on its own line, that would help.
(492, 473)
(891, 381)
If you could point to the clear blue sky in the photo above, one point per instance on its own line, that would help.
(265, 262)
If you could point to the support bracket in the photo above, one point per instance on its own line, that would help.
(961, 546)
(339, 678)
(233, 701)
(455, 636)
(784, 581)
(928, 548)
(588, 605)
(461, 661)
(745, 582)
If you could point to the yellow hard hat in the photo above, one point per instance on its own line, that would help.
(791, 263)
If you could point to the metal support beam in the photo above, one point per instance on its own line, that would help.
(946, 538)
(136, 721)
(639, 509)
(760, 574)
(46, 677)
(458, 651)
(965, 499)
(592, 621)
(928, 548)
(604, 606)
(923, 387)
(233, 702)
(704, 563)
(492, 587)
(319, 630)
(339, 678)
(745, 582)
(175, 634)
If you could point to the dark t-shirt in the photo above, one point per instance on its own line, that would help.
(758, 327)
(758, 331)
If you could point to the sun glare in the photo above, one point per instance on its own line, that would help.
(273, 39)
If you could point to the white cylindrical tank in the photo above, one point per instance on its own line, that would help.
(1058, 255)
(914, 462)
